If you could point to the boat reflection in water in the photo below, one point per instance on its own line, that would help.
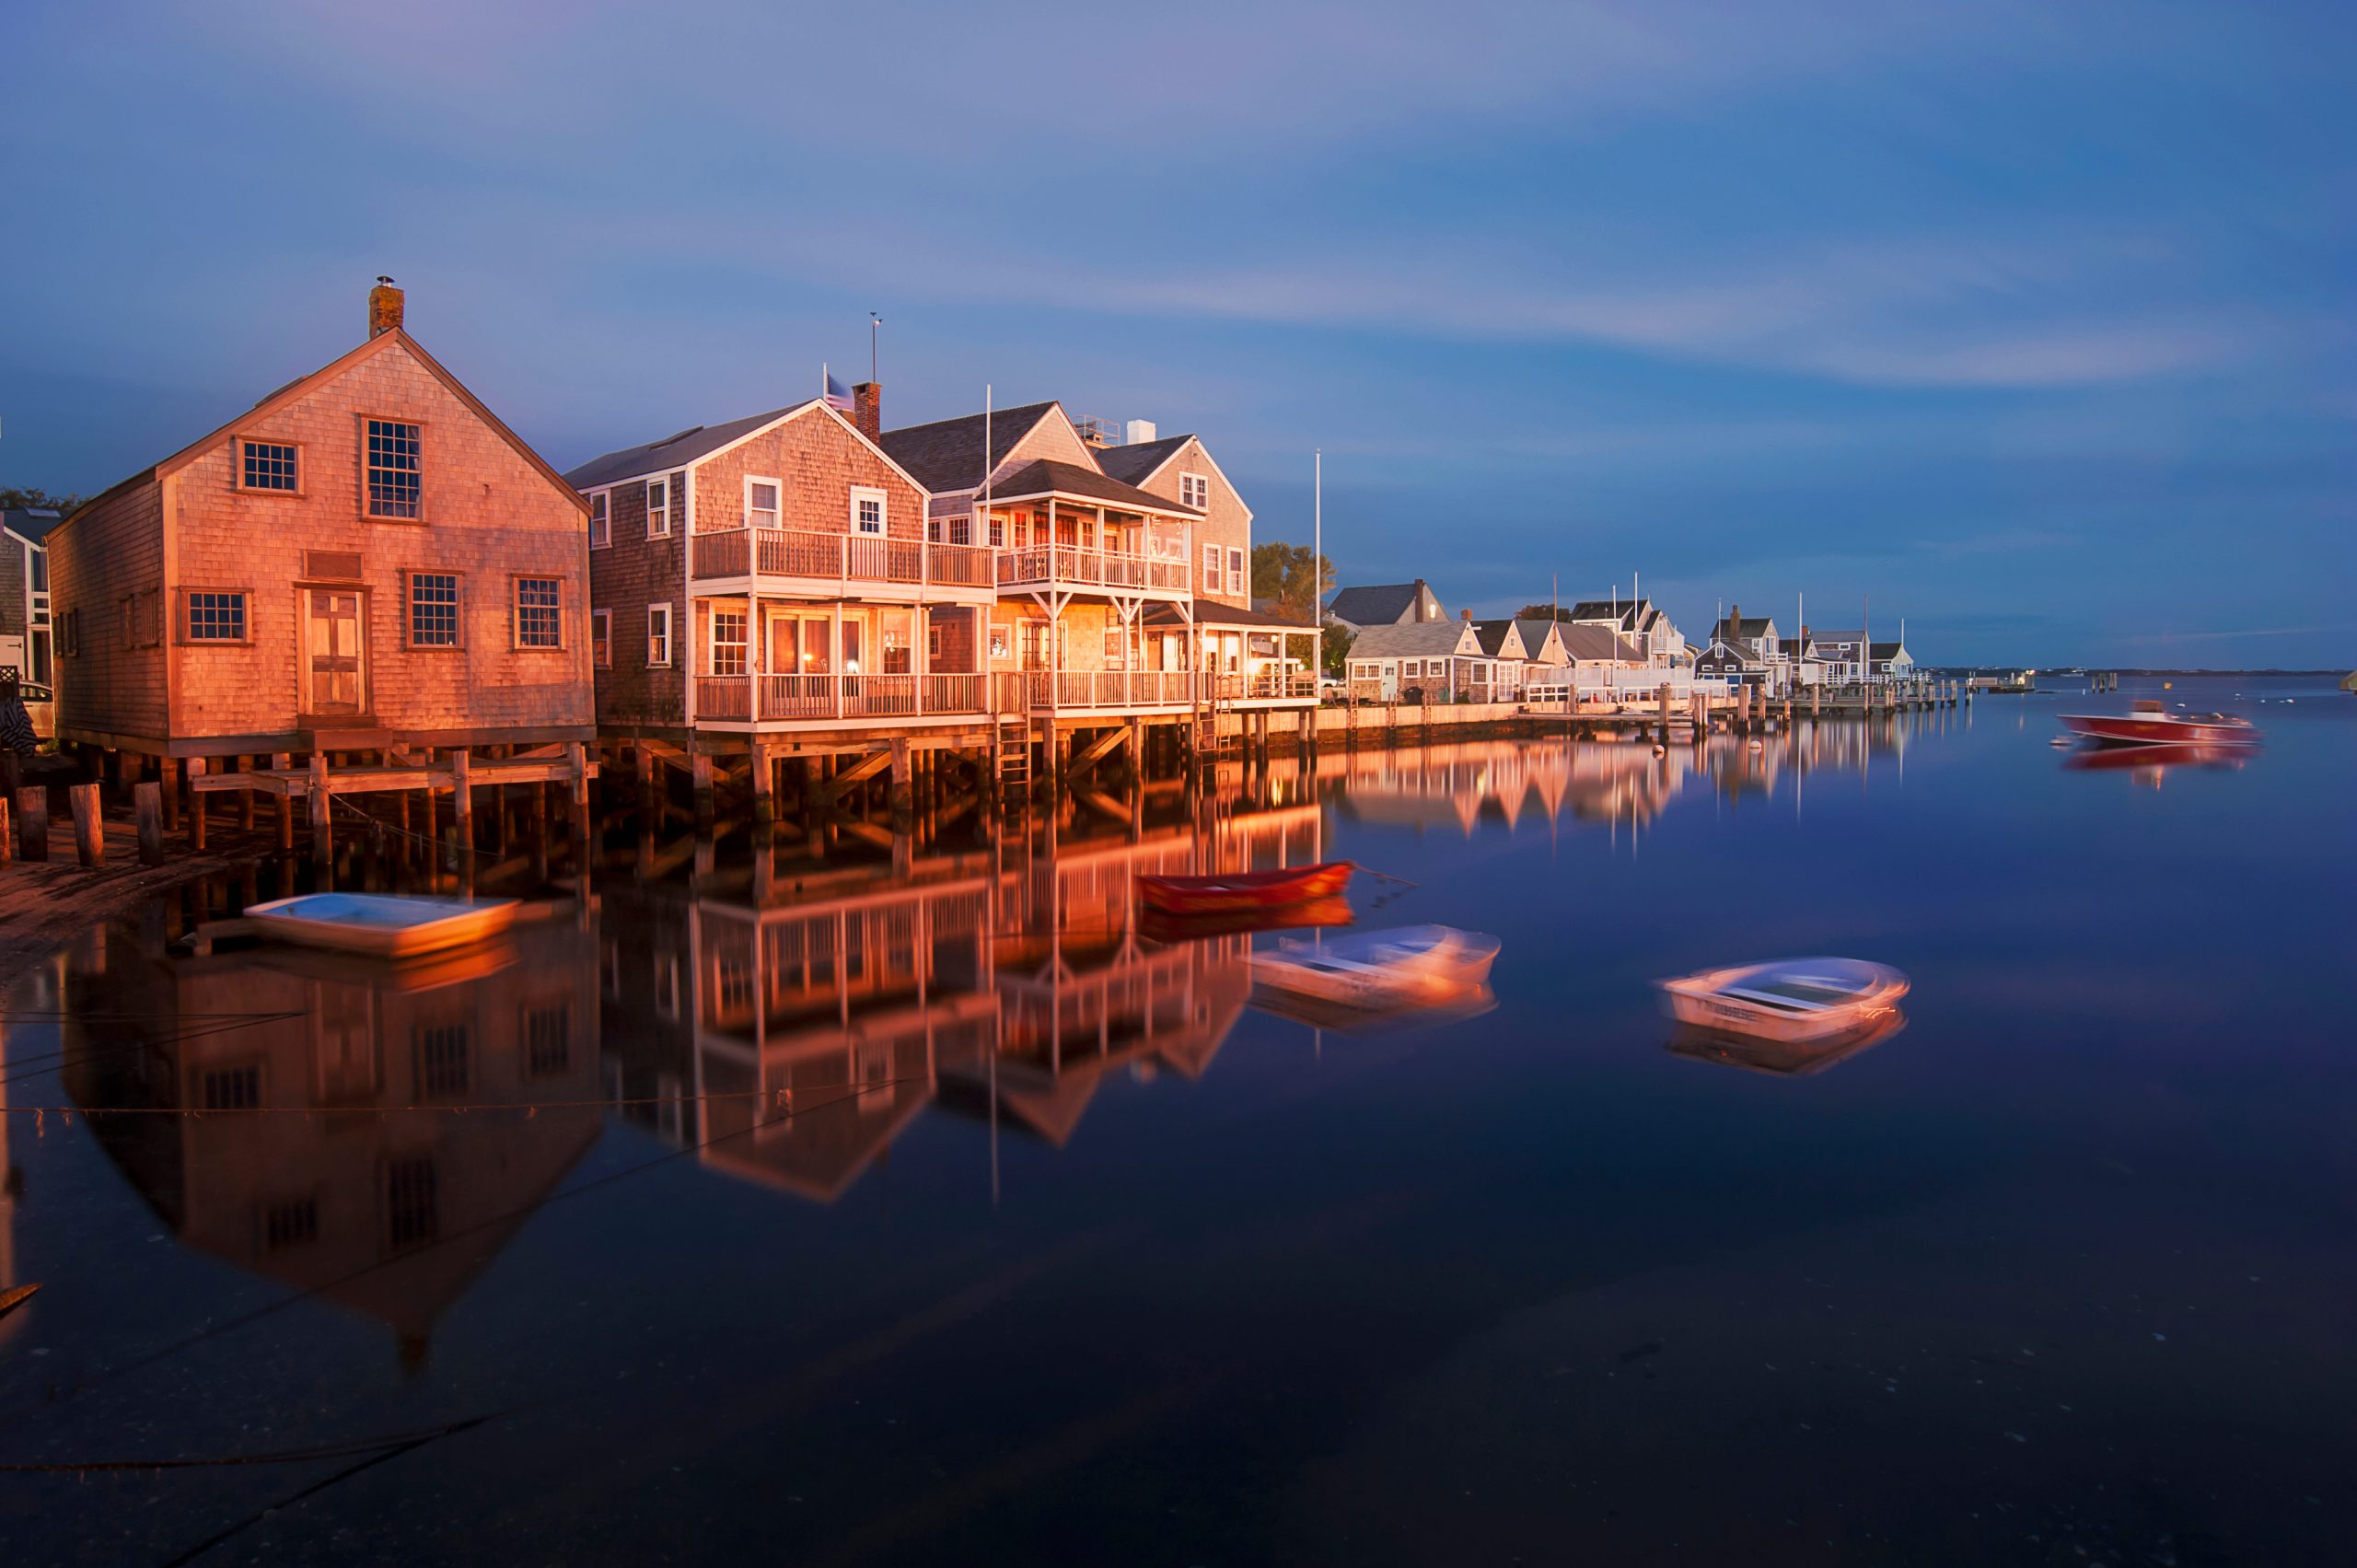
(2148, 764)
(327, 1149)
(1786, 1059)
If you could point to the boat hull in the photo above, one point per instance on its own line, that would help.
(1243, 892)
(2158, 729)
(382, 924)
(1711, 1000)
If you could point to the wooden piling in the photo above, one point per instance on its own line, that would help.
(197, 801)
(89, 832)
(577, 761)
(168, 780)
(7, 832)
(32, 823)
(462, 795)
(323, 830)
(147, 806)
(700, 777)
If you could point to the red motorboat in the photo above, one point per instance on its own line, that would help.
(1243, 890)
(2150, 723)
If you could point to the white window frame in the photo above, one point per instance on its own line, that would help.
(860, 492)
(739, 647)
(1210, 569)
(777, 512)
(1195, 490)
(660, 614)
(601, 520)
(669, 503)
(1235, 578)
(997, 527)
(516, 613)
(601, 638)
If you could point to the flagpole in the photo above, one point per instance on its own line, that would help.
(1316, 565)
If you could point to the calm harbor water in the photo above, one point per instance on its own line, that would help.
(940, 1217)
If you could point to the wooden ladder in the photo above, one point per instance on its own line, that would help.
(1012, 746)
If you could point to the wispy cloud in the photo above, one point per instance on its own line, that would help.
(2164, 638)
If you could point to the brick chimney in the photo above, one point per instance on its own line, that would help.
(1735, 627)
(384, 306)
(867, 409)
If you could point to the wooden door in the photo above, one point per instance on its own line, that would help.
(335, 654)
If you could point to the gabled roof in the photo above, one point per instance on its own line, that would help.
(1043, 477)
(946, 455)
(672, 451)
(297, 387)
(1629, 614)
(1753, 626)
(1136, 464)
(1852, 637)
(31, 523)
(1491, 635)
(1412, 639)
(1886, 650)
(1534, 633)
(1590, 641)
(1377, 605)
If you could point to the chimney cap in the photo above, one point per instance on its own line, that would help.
(382, 278)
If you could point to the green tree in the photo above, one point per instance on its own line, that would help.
(12, 498)
(1335, 646)
(1288, 574)
(1543, 613)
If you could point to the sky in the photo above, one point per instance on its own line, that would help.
(2030, 324)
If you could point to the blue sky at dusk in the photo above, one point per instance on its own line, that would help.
(2038, 323)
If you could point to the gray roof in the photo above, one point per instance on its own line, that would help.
(946, 455)
(1379, 605)
(1412, 639)
(672, 451)
(1534, 633)
(1753, 626)
(1851, 635)
(1630, 614)
(1043, 476)
(1132, 464)
(32, 523)
(1584, 642)
(1210, 612)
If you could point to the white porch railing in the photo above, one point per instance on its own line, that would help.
(845, 557)
(774, 698)
(1049, 565)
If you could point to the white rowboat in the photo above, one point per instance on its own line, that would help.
(1790, 999)
(386, 925)
(1404, 966)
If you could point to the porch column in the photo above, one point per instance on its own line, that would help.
(835, 653)
(920, 648)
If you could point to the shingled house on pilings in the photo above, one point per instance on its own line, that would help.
(366, 566)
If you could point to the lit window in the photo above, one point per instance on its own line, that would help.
(216, 617)
(728, 642)
(867, 511)
(760, 503)
(659, 508)
(269, 466)
(433, 610)
(394, 469)
(539, 618)
(1194, 490)
(998, 533)
(600, 526)
(601, 638)
(658, 636)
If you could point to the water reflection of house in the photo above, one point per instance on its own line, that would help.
(332, 1156)
(792, 1044)
(1506, 782)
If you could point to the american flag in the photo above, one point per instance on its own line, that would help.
(836, 394)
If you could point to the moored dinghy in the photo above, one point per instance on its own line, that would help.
(1238, 892)
(1403, 966)
(1790, 999)
(390, 925)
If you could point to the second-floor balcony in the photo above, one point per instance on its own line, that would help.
(842, 559)
(1066, 566)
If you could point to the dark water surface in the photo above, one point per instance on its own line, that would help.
(938, 1219)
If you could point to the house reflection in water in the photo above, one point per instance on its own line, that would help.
(792, 1044)
(332, 1158)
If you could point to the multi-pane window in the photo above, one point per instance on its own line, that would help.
(442, 1069)
(601, 638)
(997, 532)
(433, 610)
(540, 622)
(867, 511)
(760, 503)
(600, 526)
(269, 465)
(1194, 490)
(216, 617)
(1234, 571)
(548, 1040)
(658, 507)
(394, 469)
(728, 627)
(658, 635)
(1210, 569)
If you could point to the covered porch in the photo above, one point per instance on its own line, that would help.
(767, 662)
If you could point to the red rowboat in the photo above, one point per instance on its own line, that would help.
(1164, 927)
(2152, 724)
(1241, 890)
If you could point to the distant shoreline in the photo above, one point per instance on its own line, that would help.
(1945, 671)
